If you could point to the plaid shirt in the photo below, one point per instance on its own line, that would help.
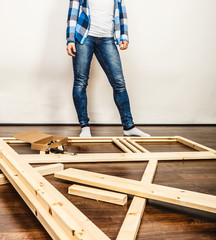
(78, 24)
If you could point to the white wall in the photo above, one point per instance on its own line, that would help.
(169, 67)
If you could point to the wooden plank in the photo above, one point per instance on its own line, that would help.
(194, 145)
(131, 223)
(121, 145)
(153, 138)
(45, 218)
(73, 223)
(130, 146)
(49, 169)
(132, 142)
(104, 139)
(98, 194)
(43, 170)
(116, 157)
(171, 195)
(3, 179)
(71, 141)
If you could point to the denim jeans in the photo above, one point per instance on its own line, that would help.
(108, 56)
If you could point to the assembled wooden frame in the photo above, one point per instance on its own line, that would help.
(62, 220)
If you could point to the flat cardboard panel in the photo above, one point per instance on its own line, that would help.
(31, 136)
(39, 140)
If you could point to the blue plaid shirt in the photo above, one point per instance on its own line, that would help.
(78, 24)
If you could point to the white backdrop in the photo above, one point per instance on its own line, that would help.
(169, 67)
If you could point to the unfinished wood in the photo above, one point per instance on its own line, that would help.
(43, 170)
(45, 218)
(194, 145)
(15, 141)
(90, 140)
(70, 221)
(116, 157)
(49, 169)
(176, 196)
(153, 138)
(42, 152)
(98, 194)
(130, 146)
(132, 142)
(104, 139)
(121, 145)
(3, 179)
(131, 223)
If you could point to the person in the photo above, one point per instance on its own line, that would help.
(96, 27)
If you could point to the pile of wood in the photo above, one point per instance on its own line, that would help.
(62, 220)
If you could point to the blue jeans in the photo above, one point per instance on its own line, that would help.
(108, 56)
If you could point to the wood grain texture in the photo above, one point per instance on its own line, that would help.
(160, 222)
(181, 197)
(98, 194)
(43, 170)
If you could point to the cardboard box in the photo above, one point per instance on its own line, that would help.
(41, 141)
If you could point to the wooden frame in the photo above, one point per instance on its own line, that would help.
(60, 217)
(132, 152)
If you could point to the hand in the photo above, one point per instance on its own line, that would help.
(70, 46)
(125, 45)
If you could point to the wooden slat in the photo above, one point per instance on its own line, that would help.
(152, 138)
(43, 170)
(130, 146)
(132, 142)
(157, 139)
(130, 226)
(3, 179)
(194, 145)
(116, 157)
(98, 194)
(70, 221)
(121, 145)
(45, 218)
(176, 196)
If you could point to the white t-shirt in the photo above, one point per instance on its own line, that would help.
(102, 18)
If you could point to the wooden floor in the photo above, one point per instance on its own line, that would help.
(161, 221)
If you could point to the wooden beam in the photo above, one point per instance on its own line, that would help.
(3, 179)
(157, 139)
(171, 195)
(129, 145)
(57, 214)
(121, 145)
(43, 170)
(194, 145)
(131, 224)
(116, 157)
(98, 194)
(46, 219)
(152, 138)
(135, 144)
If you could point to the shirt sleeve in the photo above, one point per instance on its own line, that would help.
(73, 14)
(123, 23)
